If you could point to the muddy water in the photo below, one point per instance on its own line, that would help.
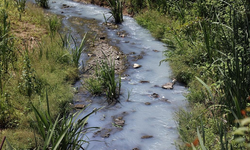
(154, 120)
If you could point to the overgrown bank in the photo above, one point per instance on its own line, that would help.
(33, 61)
(208, 49)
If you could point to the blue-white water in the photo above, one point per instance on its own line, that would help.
(140, 119)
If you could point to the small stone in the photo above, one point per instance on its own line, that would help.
(156, 50)
(168, 86)
(147, 103)
(122, 35)
(136, 66)
(165, 100)
(79, 106)
(118, 58)
(91, 55)
(119, 122)
(102, 38)
(155, 95)
(65, 6)
(144, 81)
(105, 135)
(146, 136)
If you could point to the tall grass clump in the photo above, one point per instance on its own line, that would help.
(54, 25)
(106, 73)
(43, 3)
(105, 81)
(116, 10)
(8, 58)
(21, 4)
(77, 50)
(66, 131)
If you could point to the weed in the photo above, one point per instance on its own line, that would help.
(105, 80)
(54, 25)
(77, 51)
(106, 72)
(43, 3)
(116, 10)
(64, 132)
(93, 85)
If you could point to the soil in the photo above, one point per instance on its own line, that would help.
(99, 47)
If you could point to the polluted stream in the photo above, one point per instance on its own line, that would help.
(144, 118)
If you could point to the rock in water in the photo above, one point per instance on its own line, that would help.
(169, 85)
(146, 136)
(136, 66)
(79, 106)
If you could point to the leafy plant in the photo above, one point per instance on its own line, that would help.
(77, 51)
(64, 132)
(43, 3)
(105, 71)
(93, 85)
(29, 84)
(21, 7)
(54, 25)
(116, 10)
(105, 80)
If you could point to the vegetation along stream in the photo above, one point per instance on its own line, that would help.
(144, 117)
(72, 77)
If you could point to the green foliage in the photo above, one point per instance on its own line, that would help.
(241, 134)
(116, 10)
(210, 40)
(105, 80)
(64, 132)
(43, 3)
(105, 72)
(93, 85)
(25, 70)
(54, 25)
(21, 7)
(77, 51)
(29, 84)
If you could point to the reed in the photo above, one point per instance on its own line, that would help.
(54, 25)
(77, 51)
(21, 7)
(43, 3)
(105, 81)
(116, 10)
(106, 73)
(64, 132)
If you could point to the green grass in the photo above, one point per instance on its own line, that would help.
(116, 7)
(208, 40)
(105, 80)
(32, 67)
